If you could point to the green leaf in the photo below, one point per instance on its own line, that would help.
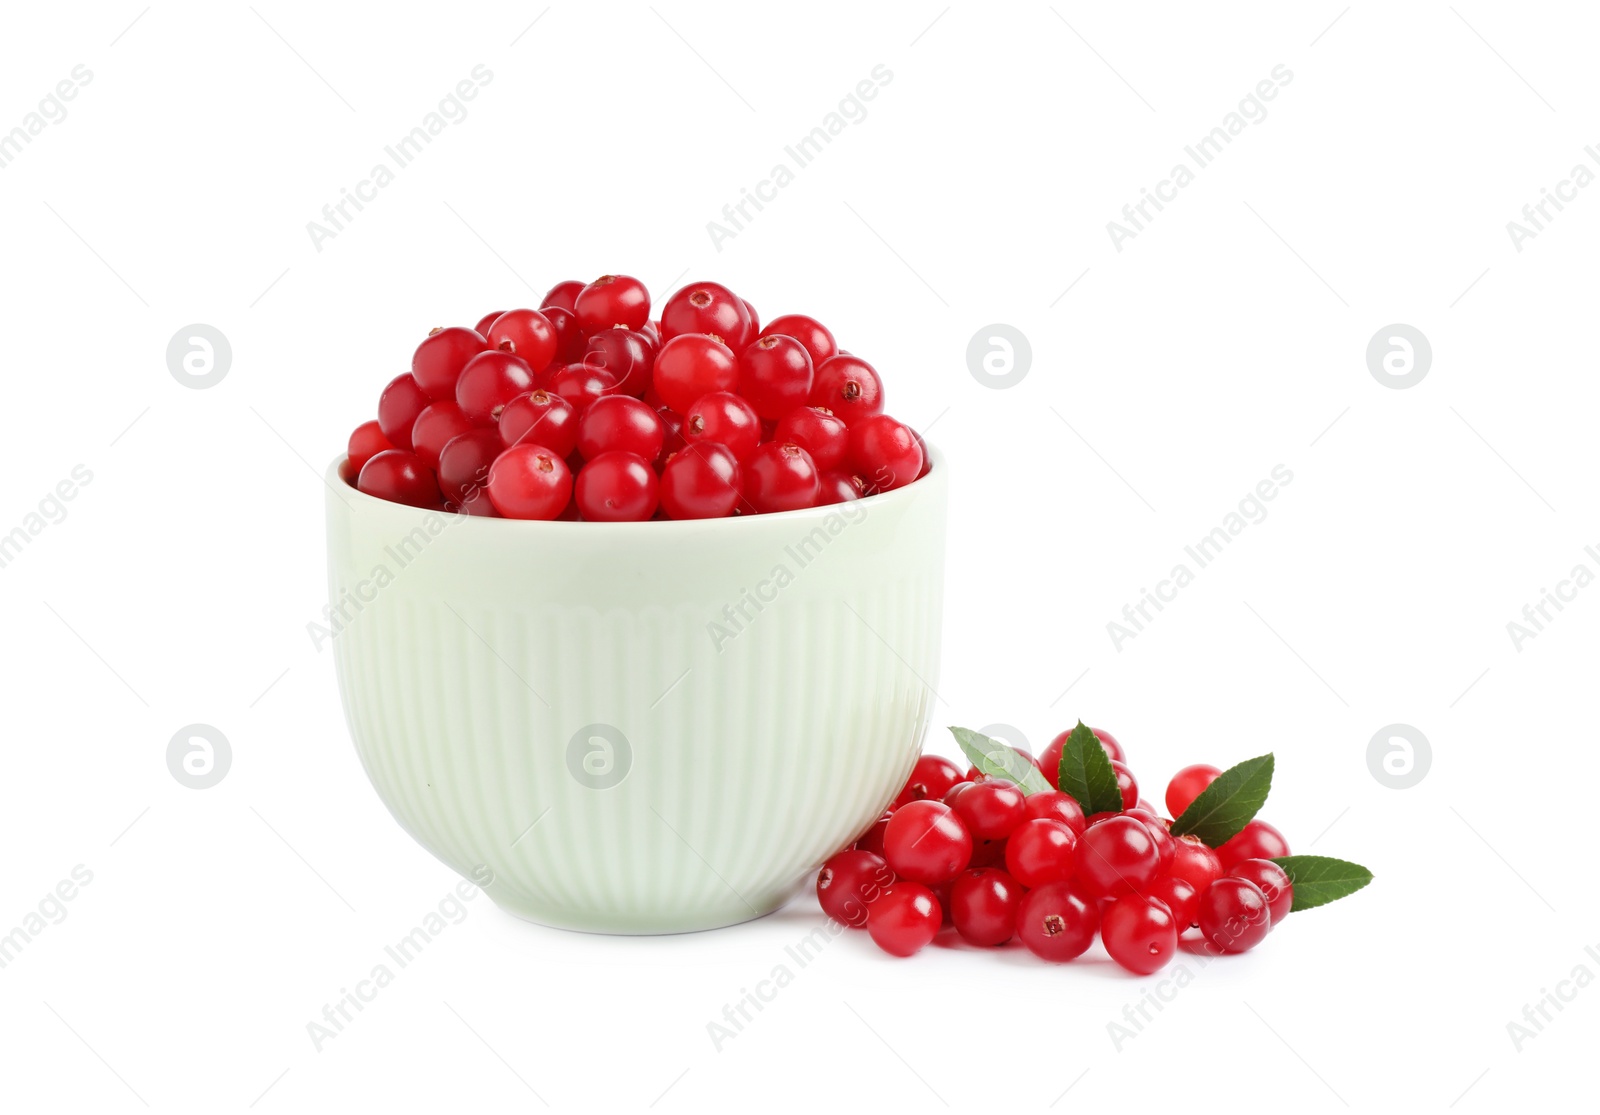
(1085, 773)
(1319, 880)
(1226, 806)
(995, 759)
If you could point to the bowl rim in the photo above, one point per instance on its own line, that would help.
(338, 488)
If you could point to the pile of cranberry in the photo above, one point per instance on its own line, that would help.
(587, 409)
(975, 852)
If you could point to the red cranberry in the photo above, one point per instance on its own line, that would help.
(570, 341)
(690, 366)
(992, 810)
(490, 381)
(700, 482)
(810, 332)
(849, 883)
(529, 482)
(930, 777)
(464, 463)
(849, 387)
(482, 328)
(872, 839)
(540, 418)
(1056, 923)
(884, 453)
(612, 301)
(1116, 856)
(1257, 840)
(926, 842)
(775, 375)
(434, 427)
(564, 294)
(1057, 806)
(366, 442)
(617, 487)
(1181, 898)
(528, 334)
(1187, 784)
(1040, 852)
(1126, 783)
(906, 917)
(581, 384)
(398, 408)
(1273, 882)
(780, 477)
(1234, 915)
(620, 422)
(837, 487)
(400, 476)
(819, 432)
(438, 361)
(626, 355)
(1194, 862)
(983, 905)
(708, 308)
(1140, 935)
(726, 419)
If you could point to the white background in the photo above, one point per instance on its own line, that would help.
(1226, 338)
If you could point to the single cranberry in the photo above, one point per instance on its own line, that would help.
(819, 432)
(849, 387)
(1166, 845)
(849, 883)
(540, 418)
(838, 487)
(438, 361)
(955, 792)
(1141, 935)
(564, 294)
(1113, 749)
(570, 341)
(775, 375)
(398, 408)
(434, 427)
(884, 453)
(464, 463)
(931, 776)
(992, 810)
(399, 476)
(926, 842)
(810, 332)
(1273, 882)
(700, 482)
(617, 487)
(620, 422)
(872, 839)
(673, 422)
(1126, 783)
(1040, 852)
(780, 477)
(983, 906)
(529, 482)
(366, 442)
(1181, 898)
(581, 384)
(692, 365)
(490, 381)
(726, 419)
(627, 355)
(612, 301)
(1056, 923)
(1194, 862)
(1187, 784)
(906, 917)
(708, 308)
(755, 319)
(1116, 856)
(1057, 806)
(1257, 840)
(482, 328)
(1234, 915)
(528, 334)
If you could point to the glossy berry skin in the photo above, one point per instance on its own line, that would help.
(1140, 935)
(708, 308)
(692, 365)
(849, 883)
(700, 482)
(1273, 882)
(992, 810)
(1058, 806)
(819, 432)
(540, 418)
(434, 427)
(884, 453)
(849, 387)
(525, 333)
(402, 400)
(490, 381)
(366, 442)
(926, 842)
(626, 354)
(1108, 741)
(620, 422)
(755, 330)
(399, 476)
(931, 777)
(1234, 915)
(1040, 852)
(1187, 784)
(437, 363)
(1050, 758)
(1257, 840)
(612, 301)
(482, 328)
(837, 487)
(564, 294)
(464, 464)
(570, 341)
(1056, 922)
(780, 477)
(617, 487)
(872, 839)
(1116, 856)
(1194, 862)
(775, 375)
(1166, 845)
(725, 419)
(529, 482)
(1126, 783)
(811, 333)
(581, 384)
(1180, 898)
(955, 792)
(906, 917)
(983, 906)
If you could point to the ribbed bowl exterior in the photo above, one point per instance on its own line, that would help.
(638, 727)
